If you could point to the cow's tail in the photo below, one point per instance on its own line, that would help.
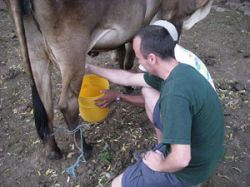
(40, 115)
(18, 8)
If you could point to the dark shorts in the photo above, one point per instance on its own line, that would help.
(140, 175)
(157, 117)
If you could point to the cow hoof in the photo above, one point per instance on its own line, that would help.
(93, 53)
(129, 90)
(55, 154)
(88, 151)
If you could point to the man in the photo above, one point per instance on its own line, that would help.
(184, 109)
(182, 55)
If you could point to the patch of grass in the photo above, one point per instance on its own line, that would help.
(104, 156)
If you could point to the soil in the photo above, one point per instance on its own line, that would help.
(222, 41)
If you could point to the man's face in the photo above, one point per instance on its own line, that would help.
(141, 60)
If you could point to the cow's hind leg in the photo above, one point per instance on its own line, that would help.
(44, 125)
(125, 56)
(128, 62)
(129, 57)
(41, 89)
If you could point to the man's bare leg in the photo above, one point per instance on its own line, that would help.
(117, 182)
(151, 97)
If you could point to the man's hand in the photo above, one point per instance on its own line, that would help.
(154, 160)
(177, 159)
(107, 99)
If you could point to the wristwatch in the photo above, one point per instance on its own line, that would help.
(118, 98)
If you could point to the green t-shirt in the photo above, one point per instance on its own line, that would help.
(191, 113)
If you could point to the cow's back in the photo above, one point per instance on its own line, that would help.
(107, 24)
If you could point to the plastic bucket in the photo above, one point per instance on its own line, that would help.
(90, 91)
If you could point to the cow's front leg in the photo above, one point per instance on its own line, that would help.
(72, 70)
(69, 104)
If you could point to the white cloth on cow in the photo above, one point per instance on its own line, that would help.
(169, 27)
(185, 56)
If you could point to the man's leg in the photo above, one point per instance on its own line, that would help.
(140, 175)
(117, 182)
(151, 97)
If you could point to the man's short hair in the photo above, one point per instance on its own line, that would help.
(157, 40)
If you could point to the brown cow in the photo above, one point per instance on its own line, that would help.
(64, 31)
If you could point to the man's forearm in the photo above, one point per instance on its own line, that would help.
(137, 100)
(116, 76)
(177, 159)
(171, 165)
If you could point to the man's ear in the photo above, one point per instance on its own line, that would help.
(151, 58)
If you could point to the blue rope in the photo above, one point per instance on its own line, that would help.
(72, 169)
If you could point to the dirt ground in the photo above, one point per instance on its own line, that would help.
(222, 41)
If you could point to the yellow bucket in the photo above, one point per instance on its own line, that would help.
(90, 91)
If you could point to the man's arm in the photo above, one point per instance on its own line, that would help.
(137, 100)
(120, 77)
(111, 96)
(176, 160)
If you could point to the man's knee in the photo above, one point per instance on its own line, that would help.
(117, 182)
(150, 93)
(151, 96)
(146, 91)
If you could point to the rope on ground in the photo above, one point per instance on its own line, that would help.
(72, 169)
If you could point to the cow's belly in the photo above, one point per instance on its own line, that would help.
(112, 31)
(112, 38)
